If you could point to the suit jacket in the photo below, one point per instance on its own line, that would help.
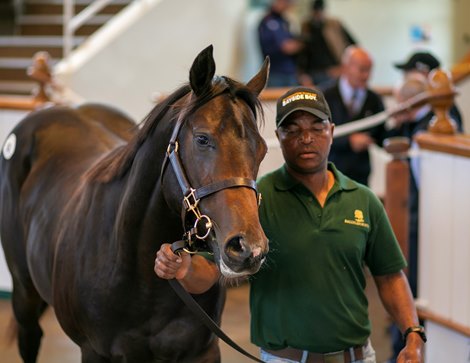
(353, 164)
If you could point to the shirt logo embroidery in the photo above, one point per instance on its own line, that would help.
(358, 219)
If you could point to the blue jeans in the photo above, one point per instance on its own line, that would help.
(369, 357)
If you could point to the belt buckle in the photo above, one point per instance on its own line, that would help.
(334, 357)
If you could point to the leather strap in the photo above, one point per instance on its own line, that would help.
(224, 184)
(206, 319)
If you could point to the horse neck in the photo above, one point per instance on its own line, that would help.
(144, 218)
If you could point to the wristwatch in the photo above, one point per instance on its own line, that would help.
(415, 329)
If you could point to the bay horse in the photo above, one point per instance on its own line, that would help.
(87, 198)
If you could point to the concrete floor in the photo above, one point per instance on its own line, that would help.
(57, 348)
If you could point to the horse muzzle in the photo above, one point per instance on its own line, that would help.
(240, 258)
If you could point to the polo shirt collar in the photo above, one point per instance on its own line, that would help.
(285, 181)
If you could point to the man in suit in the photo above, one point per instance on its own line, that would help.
(350, 99)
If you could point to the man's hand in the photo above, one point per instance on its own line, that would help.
(360, 141)
(169, 265)
(412, 353)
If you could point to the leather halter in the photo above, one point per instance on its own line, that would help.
(191, 196)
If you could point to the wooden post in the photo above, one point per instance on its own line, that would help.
(441, 123)
(41, 73)
(397, 183)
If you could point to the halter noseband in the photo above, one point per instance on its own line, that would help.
(191, 196)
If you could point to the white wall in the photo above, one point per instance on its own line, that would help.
(149, 47)
(384, 28)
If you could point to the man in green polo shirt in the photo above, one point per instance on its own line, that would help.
(308, 302)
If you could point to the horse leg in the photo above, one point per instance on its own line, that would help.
(28, 307)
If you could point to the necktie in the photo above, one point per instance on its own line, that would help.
(352, 103)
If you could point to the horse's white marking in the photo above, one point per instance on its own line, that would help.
(9, 147)
(256, 251)
(228, 272)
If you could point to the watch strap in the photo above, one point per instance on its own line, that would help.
(419, 329)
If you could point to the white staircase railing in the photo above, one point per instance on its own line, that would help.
(72, 22)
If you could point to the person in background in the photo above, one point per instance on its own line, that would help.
(325, 39)
(422, 63)
(277, 42)
(409, 124)
(308, 301)
(350, 99)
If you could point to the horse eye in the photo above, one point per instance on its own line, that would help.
(202, 140)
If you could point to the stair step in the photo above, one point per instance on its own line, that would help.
(12, 69)
(26, 41)
(55, 30)
(17, 87)
(53, 24)
(56, 6)
(27, 46)
(58, 19)
(78, 2)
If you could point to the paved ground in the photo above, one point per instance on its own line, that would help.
(57, 348)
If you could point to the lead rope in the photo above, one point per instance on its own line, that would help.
(206, 319)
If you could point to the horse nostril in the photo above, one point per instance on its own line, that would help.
(237, 248)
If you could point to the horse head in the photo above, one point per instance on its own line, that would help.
(214, 156)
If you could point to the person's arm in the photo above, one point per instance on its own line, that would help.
(197, 274)
(397, 299)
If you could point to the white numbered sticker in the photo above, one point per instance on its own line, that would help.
(9, 147)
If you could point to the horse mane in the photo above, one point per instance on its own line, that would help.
(118, 161)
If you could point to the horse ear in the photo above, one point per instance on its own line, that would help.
(202, 71)
(258, 82)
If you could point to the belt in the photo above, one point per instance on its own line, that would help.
(335, 357)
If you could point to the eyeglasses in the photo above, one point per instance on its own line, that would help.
(292, 131)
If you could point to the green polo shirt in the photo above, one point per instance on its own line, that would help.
(309, 294)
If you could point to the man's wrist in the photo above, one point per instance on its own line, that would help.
(418, 330)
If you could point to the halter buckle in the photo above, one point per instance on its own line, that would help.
(190, 201)
(172, 147)
(206, 227)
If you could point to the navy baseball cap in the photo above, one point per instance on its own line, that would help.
(421, 61)
(302, 99)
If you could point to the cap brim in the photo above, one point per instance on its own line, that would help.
(401, 66)
(313, 111)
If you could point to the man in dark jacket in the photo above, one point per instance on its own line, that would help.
(350, 99)
(325, 39)
(277, 42)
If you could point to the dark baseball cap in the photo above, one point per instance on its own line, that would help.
(302, 99)
(318, 5)
(421, 61)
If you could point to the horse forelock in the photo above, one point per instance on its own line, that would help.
(236, 91)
